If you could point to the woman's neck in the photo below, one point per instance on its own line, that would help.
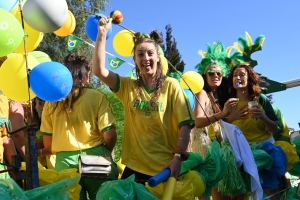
(148, 81)
(243, 95)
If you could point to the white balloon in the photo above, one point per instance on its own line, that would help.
(45, 15)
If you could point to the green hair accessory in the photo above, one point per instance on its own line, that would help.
(140, 36)
(245, 47)
(214, 57)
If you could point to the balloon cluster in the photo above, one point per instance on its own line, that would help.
(36, 18)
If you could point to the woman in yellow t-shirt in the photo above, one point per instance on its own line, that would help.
(158, 117)
(82, 122)
(257, 123)
(254, 114)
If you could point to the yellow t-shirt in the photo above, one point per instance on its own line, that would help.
(151, 129)
(90, 117)
(254, 130)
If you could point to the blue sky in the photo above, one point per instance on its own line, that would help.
(196, 23)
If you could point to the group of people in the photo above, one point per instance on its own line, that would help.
(226, 97)
(158, 119)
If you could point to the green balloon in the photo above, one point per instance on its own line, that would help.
(11, 33)
(41, 56)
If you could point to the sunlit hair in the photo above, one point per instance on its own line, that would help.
(80, 69)
(155, 39)
(253, 82)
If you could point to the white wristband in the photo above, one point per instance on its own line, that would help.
(178, 155)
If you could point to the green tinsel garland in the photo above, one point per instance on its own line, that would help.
(232, 183)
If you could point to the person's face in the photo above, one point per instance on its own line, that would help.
(146, 58)
(39, 107)
(240, 78)
(214, 77)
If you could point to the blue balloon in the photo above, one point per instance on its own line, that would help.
(8, 5)
(91, 27)
(191, 98)
(51, 81)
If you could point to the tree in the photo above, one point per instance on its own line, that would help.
(57, 47)
(171, 52)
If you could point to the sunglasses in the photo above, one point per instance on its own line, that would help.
(212, 73)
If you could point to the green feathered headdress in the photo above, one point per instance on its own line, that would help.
(215, 56)
(245, 47)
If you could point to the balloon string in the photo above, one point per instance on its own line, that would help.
(125, 28)
(191, 91)
(26, 60)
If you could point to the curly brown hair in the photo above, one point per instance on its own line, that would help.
(155, 38)
(254, 89)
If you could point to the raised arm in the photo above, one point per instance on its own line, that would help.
(99, 58)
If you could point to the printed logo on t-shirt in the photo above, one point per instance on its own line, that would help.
(148, 106)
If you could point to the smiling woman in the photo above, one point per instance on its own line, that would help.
(158, 117)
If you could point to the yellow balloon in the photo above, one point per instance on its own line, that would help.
(33, 38)
(13, 77)
(123, 43)
(68, 27)
(198, 182)
(193, 79)
(192, 185)
(164, 64)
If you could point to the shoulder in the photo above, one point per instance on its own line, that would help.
(93, 94)
(202, 94)
(171, 82)
(16, 107)
(264, 101)
(263, 97)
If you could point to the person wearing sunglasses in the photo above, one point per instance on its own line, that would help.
(214, 103)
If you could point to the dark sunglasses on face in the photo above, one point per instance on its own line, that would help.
(212, 73)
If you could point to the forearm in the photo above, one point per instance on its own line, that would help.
(18, 139)
(110, 139)
(201, 122)
(184, 137)
(44, 152)
(47, 150)
(271, 125)
(99, 57)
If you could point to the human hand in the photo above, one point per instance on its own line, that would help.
(256, 112)
(174, 165)
(229, 106)
(104, 25)
(238, 114)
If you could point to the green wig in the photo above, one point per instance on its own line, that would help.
(214, 57)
